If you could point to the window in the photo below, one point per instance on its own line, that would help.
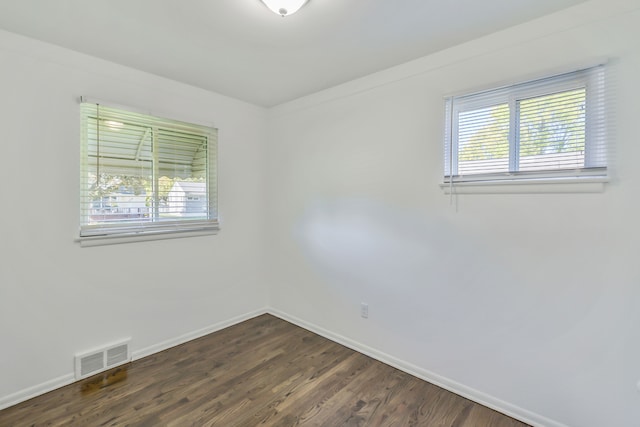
(544, 130)
(144, 177)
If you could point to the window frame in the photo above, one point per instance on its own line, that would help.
(594, 170)
(105, 232)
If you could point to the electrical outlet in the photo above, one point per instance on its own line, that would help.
(364, 310)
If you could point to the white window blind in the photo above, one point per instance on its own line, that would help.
(145, 176)
(547, 128)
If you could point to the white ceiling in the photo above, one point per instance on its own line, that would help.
(241, 49)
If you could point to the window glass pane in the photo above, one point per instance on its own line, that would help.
(551, 128)
(483, 140)
(552, 131)
(184, 199)
(146, 175)
(183, 170)
(119, 172)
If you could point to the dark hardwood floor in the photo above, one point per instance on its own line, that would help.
(262, 372)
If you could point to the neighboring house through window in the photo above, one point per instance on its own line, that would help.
(145, 177)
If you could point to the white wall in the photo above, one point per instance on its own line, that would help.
(57, 299)
(528, 302)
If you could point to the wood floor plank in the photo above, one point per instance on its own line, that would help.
(262, 372)
(303, 401)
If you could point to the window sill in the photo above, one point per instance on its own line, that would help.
(140, 237)
(526, 186)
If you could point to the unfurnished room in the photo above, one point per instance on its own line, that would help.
(320, 213)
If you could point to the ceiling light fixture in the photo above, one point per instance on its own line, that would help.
(284, 7)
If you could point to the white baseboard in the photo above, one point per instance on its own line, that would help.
(447, 384)
(45, 387)
(156, 348)
(484, 399)
(37, 390)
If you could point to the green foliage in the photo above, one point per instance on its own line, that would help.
(164, 187)
(552, 123)
(108, 184)
(491, 141)
(547, 124)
